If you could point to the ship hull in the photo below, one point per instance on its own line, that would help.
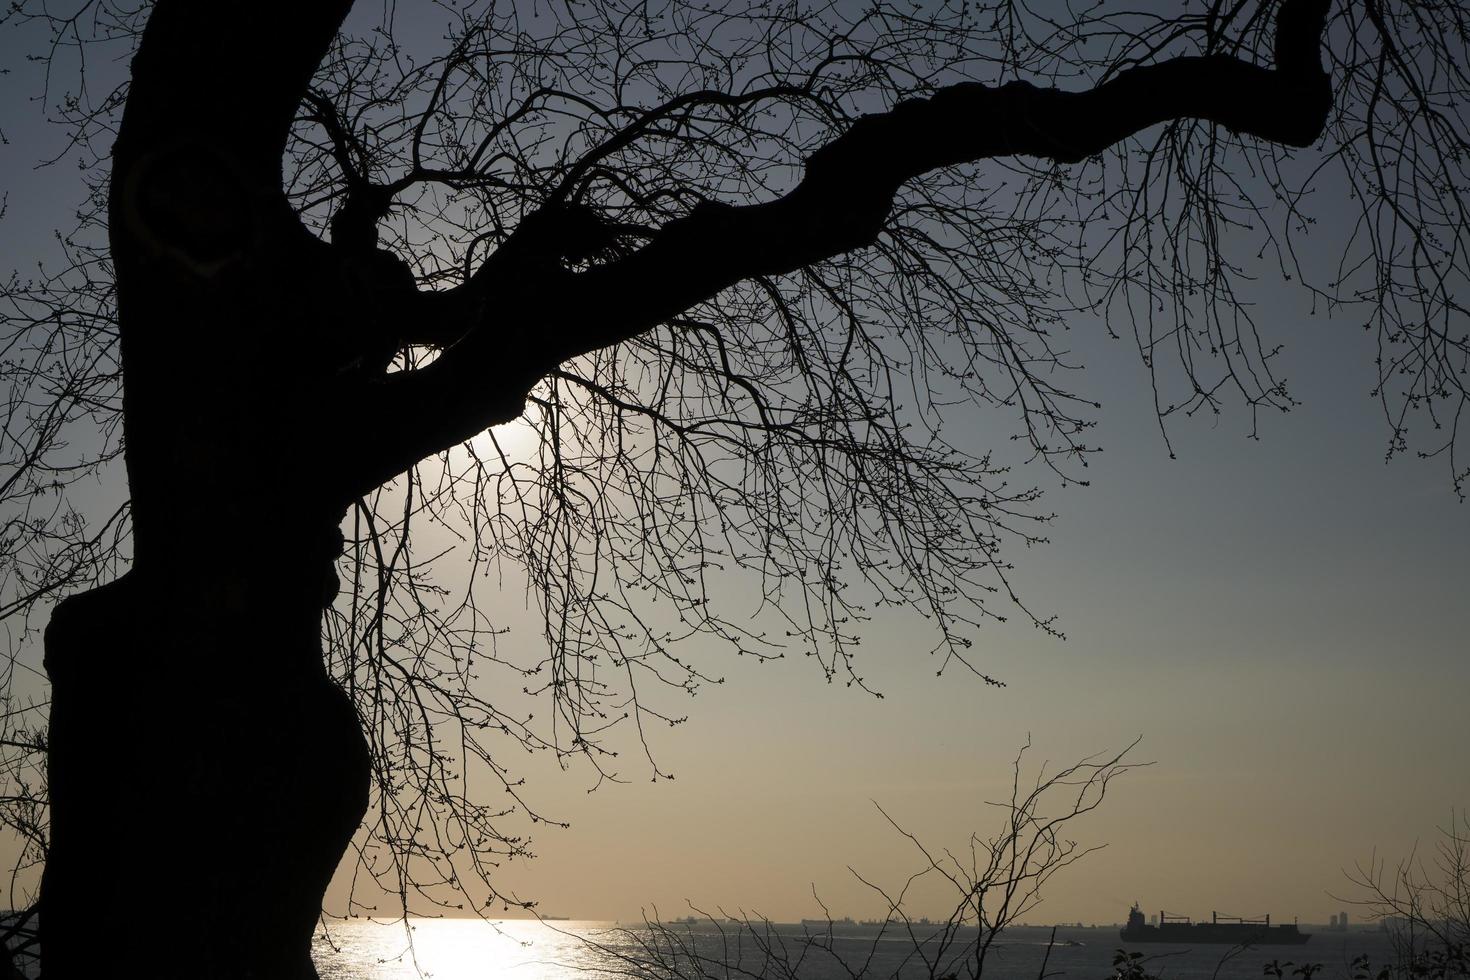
(1219, 935)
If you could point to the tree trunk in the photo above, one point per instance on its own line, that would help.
(205, 779)
(205, 774)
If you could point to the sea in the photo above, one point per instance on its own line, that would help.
(473, 949)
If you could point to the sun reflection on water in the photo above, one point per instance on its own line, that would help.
(453, 949)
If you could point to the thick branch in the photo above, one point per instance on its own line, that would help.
(840, 205)
(228, 74)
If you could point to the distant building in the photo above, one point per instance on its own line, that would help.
(1333, 924)
(1342, 921)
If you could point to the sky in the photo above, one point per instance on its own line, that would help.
(1281, 620)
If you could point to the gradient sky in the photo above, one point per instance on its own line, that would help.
(1282, 621)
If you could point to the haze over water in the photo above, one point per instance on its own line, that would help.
(469, 949)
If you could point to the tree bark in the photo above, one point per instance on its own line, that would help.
(199, 805)
(205, 774)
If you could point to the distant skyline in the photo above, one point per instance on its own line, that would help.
(1282, 620)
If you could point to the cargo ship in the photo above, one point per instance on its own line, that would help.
(1220, 930)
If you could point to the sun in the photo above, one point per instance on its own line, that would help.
(517, 441)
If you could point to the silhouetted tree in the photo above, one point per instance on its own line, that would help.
(991, 883)
(1424, 904)
(729, 265)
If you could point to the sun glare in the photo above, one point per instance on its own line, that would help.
(455, 949)
(515, 441)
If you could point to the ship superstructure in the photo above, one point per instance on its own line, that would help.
(1221, 929)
